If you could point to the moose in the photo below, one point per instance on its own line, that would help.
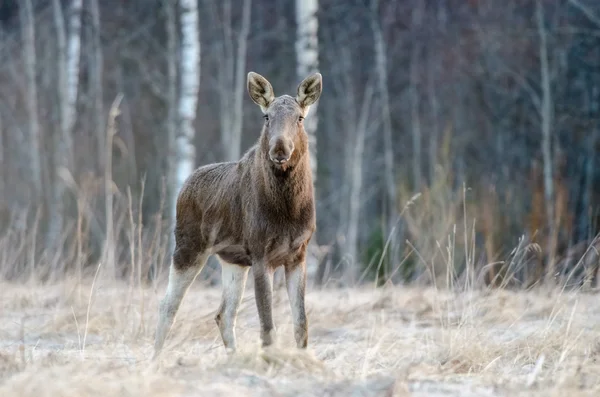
(258, 212)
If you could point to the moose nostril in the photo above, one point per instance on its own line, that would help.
(280, 158)
(281, 150)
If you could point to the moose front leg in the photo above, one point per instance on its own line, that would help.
(234, 280)
(295, 278)
(263, 292)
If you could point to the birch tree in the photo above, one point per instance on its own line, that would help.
(172, 116)
(188, 97)
(307, 58)
(69, 51)
(307, 62)
(72, 79)
(28, 28)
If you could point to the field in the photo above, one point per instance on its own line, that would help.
(95, 339)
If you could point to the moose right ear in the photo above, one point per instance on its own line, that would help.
(260, 90)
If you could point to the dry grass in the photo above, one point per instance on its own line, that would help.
(61, 341)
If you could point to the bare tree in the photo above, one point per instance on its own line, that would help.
(72, 80)
(384, 104)
(546, 114)
(307, 58)
(188, 98)
(416, 20)
(96, 66)
(587, 11)
(433, 70)
(307, 62)
(172, 118)
(354, 162)
(232, 78)
(28, 27)
(69, 52)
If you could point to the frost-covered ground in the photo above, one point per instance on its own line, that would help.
(56, 341)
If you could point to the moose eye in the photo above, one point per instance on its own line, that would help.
(266, 117)
(300, 118)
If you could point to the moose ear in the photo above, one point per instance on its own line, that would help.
(309, 90)
(260, 90)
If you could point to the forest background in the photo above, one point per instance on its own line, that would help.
(454, 140)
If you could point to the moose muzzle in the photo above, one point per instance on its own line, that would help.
(280, 149)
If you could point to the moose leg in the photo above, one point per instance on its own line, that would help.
(263, 292)
(182, 273)
(234, 281)
(295, 277)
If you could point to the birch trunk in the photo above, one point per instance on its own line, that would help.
(307, 62)
(172, 119)
(28, 25)
(307, 55)
(73, 59)
(68, 81)
(96, 73)
(546, 114)
(188, 99)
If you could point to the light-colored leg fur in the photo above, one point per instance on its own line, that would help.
(263, 293)
(295, 278)
(234, 281)
(179, 283)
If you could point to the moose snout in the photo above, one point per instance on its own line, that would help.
(280, 158)
(281, 150)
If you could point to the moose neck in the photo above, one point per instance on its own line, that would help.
(291, 187)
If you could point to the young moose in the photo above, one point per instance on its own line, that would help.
(258, 211)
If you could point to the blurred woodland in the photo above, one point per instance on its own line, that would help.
(456, 140)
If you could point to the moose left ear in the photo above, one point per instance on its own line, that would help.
(309, 90)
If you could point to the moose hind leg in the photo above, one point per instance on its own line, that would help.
(234, 281)
(295, 277)
(182, 273)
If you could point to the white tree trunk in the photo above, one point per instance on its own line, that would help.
(307, 58)
(190, 84)
(307, 62)
(73, 59)
(28, 25)
(68, 83)
(61, 43)
(172, 118)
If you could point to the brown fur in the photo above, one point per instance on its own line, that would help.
(258, 212)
